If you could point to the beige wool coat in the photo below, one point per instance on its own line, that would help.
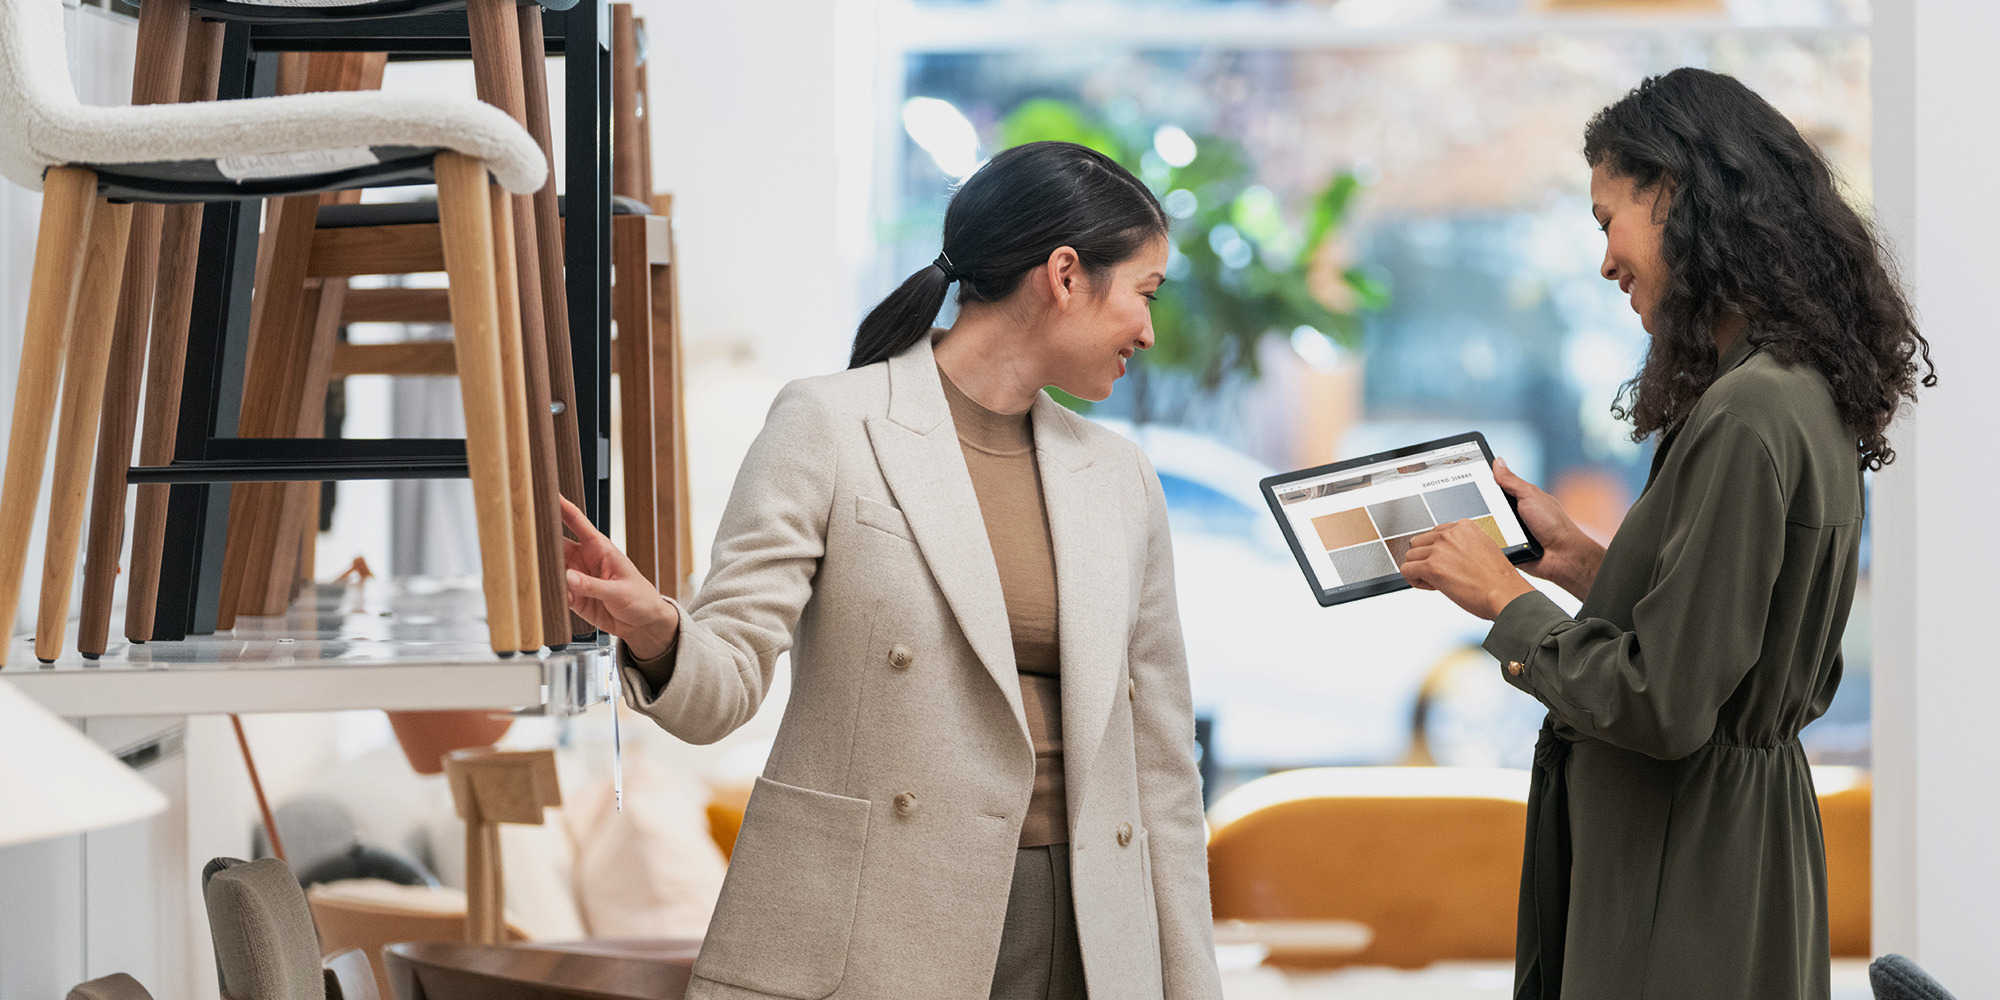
(878, 848)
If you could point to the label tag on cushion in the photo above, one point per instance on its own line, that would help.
(317, 161)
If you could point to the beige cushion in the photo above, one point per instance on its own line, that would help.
(651, 870)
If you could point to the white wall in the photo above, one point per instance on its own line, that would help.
(744, 135)
(1937, 876)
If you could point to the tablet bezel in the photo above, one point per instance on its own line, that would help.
(1270, 485)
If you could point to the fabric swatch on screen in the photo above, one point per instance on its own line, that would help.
(1401, 516)
(1343, 528)
(1399, 548)
(1457, 503)
(1492, 529)
(1363, 562)
(1410, 470)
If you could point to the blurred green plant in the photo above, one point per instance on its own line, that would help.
(1240, 266)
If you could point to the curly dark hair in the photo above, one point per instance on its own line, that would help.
(1755, 225)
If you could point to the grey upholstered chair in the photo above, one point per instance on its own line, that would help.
(116, 986)
(265, 945)
(1894, 977)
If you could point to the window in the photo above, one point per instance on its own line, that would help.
(1458, 286)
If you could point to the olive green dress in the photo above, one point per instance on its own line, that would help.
(1674, 843)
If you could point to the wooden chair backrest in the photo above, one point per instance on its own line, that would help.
(491, 787)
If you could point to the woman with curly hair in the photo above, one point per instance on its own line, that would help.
(1674, 844)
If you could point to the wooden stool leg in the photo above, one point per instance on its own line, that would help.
(466, 218)
(514, 398)
(156, 79)
(499, 71)
(93, 319)
(173, 306)
(68, 198)
(273, 384)
(669, 433)
(271, 575)
(296, 513)
(548, 248)
(632, 311)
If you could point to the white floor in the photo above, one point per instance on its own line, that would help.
(1444, 981)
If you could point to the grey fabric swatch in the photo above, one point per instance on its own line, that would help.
(1362, 562)
(1401, 516)
(1457, 503)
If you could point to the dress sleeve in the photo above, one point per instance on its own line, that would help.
(1656, 688)
(767, 550)
(1169, 781)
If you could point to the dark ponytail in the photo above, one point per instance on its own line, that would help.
(1004, 222)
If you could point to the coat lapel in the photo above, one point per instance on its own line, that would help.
(917, 448)
(1092, 586)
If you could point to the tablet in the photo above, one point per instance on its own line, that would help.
(1350, 523)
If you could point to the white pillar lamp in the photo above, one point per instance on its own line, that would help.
(55, 781)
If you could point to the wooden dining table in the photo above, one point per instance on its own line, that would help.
(610, 969)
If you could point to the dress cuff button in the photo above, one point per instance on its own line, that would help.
(1515, 667)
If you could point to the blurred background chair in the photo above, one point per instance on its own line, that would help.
(492, 787)
(1894, 977)
(1845, 794)
(1429, 859)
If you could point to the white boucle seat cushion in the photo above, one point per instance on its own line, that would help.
(46, 126)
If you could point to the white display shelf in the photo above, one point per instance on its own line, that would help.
(412, 645)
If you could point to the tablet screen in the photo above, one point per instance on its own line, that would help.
(1350, 524)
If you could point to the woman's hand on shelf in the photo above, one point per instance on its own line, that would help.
(606, 590)
(1569, 557)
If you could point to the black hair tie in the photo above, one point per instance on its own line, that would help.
(943, 263)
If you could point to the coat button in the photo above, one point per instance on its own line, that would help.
(1124, 835)
(1514, 667)
(1131, 689)
(906, 804)
(900, 657)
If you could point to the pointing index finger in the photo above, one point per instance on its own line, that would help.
(577, 523)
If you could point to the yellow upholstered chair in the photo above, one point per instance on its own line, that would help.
(1429, 858)
(1844, 804)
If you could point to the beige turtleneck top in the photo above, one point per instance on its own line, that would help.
(1000, 454)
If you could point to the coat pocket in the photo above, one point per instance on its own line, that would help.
(881, 516)
(1145, 846)
(787, 908)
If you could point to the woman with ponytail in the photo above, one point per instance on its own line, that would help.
(984, 783)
